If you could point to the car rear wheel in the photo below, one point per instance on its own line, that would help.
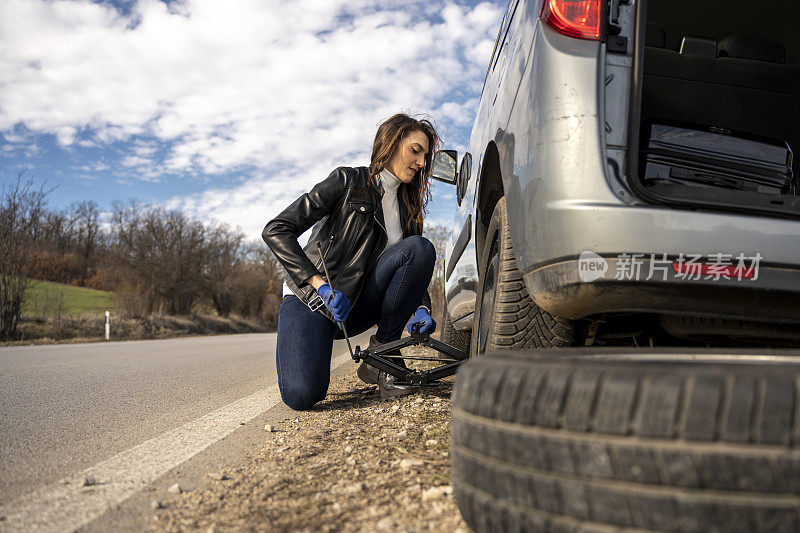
(450, 335)
(505, 316)
(613, 442)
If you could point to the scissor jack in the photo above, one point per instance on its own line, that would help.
(381, 357)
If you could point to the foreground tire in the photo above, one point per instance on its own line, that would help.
(505, 316)
(450, 335)
(600, 442)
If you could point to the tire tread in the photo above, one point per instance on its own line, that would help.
(593, 446)
(517, 322)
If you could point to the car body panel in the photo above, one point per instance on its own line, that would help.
(506, 71)
(556, 110)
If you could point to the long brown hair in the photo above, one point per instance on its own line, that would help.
(416, 194)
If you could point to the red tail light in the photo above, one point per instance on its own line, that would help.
(576, 18)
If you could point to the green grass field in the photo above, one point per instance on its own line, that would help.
(45, 299)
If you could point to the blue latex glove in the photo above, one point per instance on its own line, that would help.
(422, 317)
(336, 302)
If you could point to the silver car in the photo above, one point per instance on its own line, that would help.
(630, 178)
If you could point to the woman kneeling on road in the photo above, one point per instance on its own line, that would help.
(368, 223)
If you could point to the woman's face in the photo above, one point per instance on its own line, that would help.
(410, 156)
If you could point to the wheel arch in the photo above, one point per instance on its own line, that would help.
(490, 190)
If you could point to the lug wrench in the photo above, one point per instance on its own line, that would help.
(330, 284)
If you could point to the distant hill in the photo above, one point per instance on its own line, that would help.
(45, 299)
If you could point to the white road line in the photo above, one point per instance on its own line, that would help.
(65, 505)
(340, 360)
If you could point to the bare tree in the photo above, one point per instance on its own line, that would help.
(266, 262)
(20, 213)
(185, 257)
(160, 257)
(258, 284)
(85, 226)
(224, 255)
(55, 232)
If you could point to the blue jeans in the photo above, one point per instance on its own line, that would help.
(392, 291)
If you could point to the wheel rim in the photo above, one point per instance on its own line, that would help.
(487, 299)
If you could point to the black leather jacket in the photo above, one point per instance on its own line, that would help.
(348, 223)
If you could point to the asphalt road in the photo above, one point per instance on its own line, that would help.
(66, 408)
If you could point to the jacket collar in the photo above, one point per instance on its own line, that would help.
(377, 185)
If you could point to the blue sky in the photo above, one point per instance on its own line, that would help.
(227, 110)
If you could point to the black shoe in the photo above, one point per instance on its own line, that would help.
(367, 373)
(386, 384)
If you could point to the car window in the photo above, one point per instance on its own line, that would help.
(507, 18)
(497, 40)
(501, 33)
(494, 54)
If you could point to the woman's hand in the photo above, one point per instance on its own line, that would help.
(316, 281)
(428, 325)
(336, 302)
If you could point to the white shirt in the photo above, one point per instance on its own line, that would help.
(391, 208)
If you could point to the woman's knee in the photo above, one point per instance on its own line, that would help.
(299, 398)
(422, 247)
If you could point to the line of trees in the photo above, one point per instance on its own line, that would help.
(155, 260)
(162, 261)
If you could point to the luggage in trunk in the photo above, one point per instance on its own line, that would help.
(675, 155)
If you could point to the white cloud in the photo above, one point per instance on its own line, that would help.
(94, 166)
(134, 161)
(66, 135)
(461, 113)
(16, 137)
(144, 148)
(250, 206)
(290, 88)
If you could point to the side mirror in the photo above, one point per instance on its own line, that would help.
(444, 166)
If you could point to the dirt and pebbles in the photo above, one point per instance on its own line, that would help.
(353, 463)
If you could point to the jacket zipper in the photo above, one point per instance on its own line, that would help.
(353, 303)
(350, 247)
(369, 265)
(325, 253)
(358, 226)
(330, 243)
(379, 223)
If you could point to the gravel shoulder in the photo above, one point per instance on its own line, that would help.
(353, 463)
(68, 329)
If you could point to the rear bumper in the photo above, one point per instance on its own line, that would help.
(771, 293)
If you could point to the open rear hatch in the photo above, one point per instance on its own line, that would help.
(719, 115)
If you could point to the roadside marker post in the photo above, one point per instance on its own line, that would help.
(108, 325)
